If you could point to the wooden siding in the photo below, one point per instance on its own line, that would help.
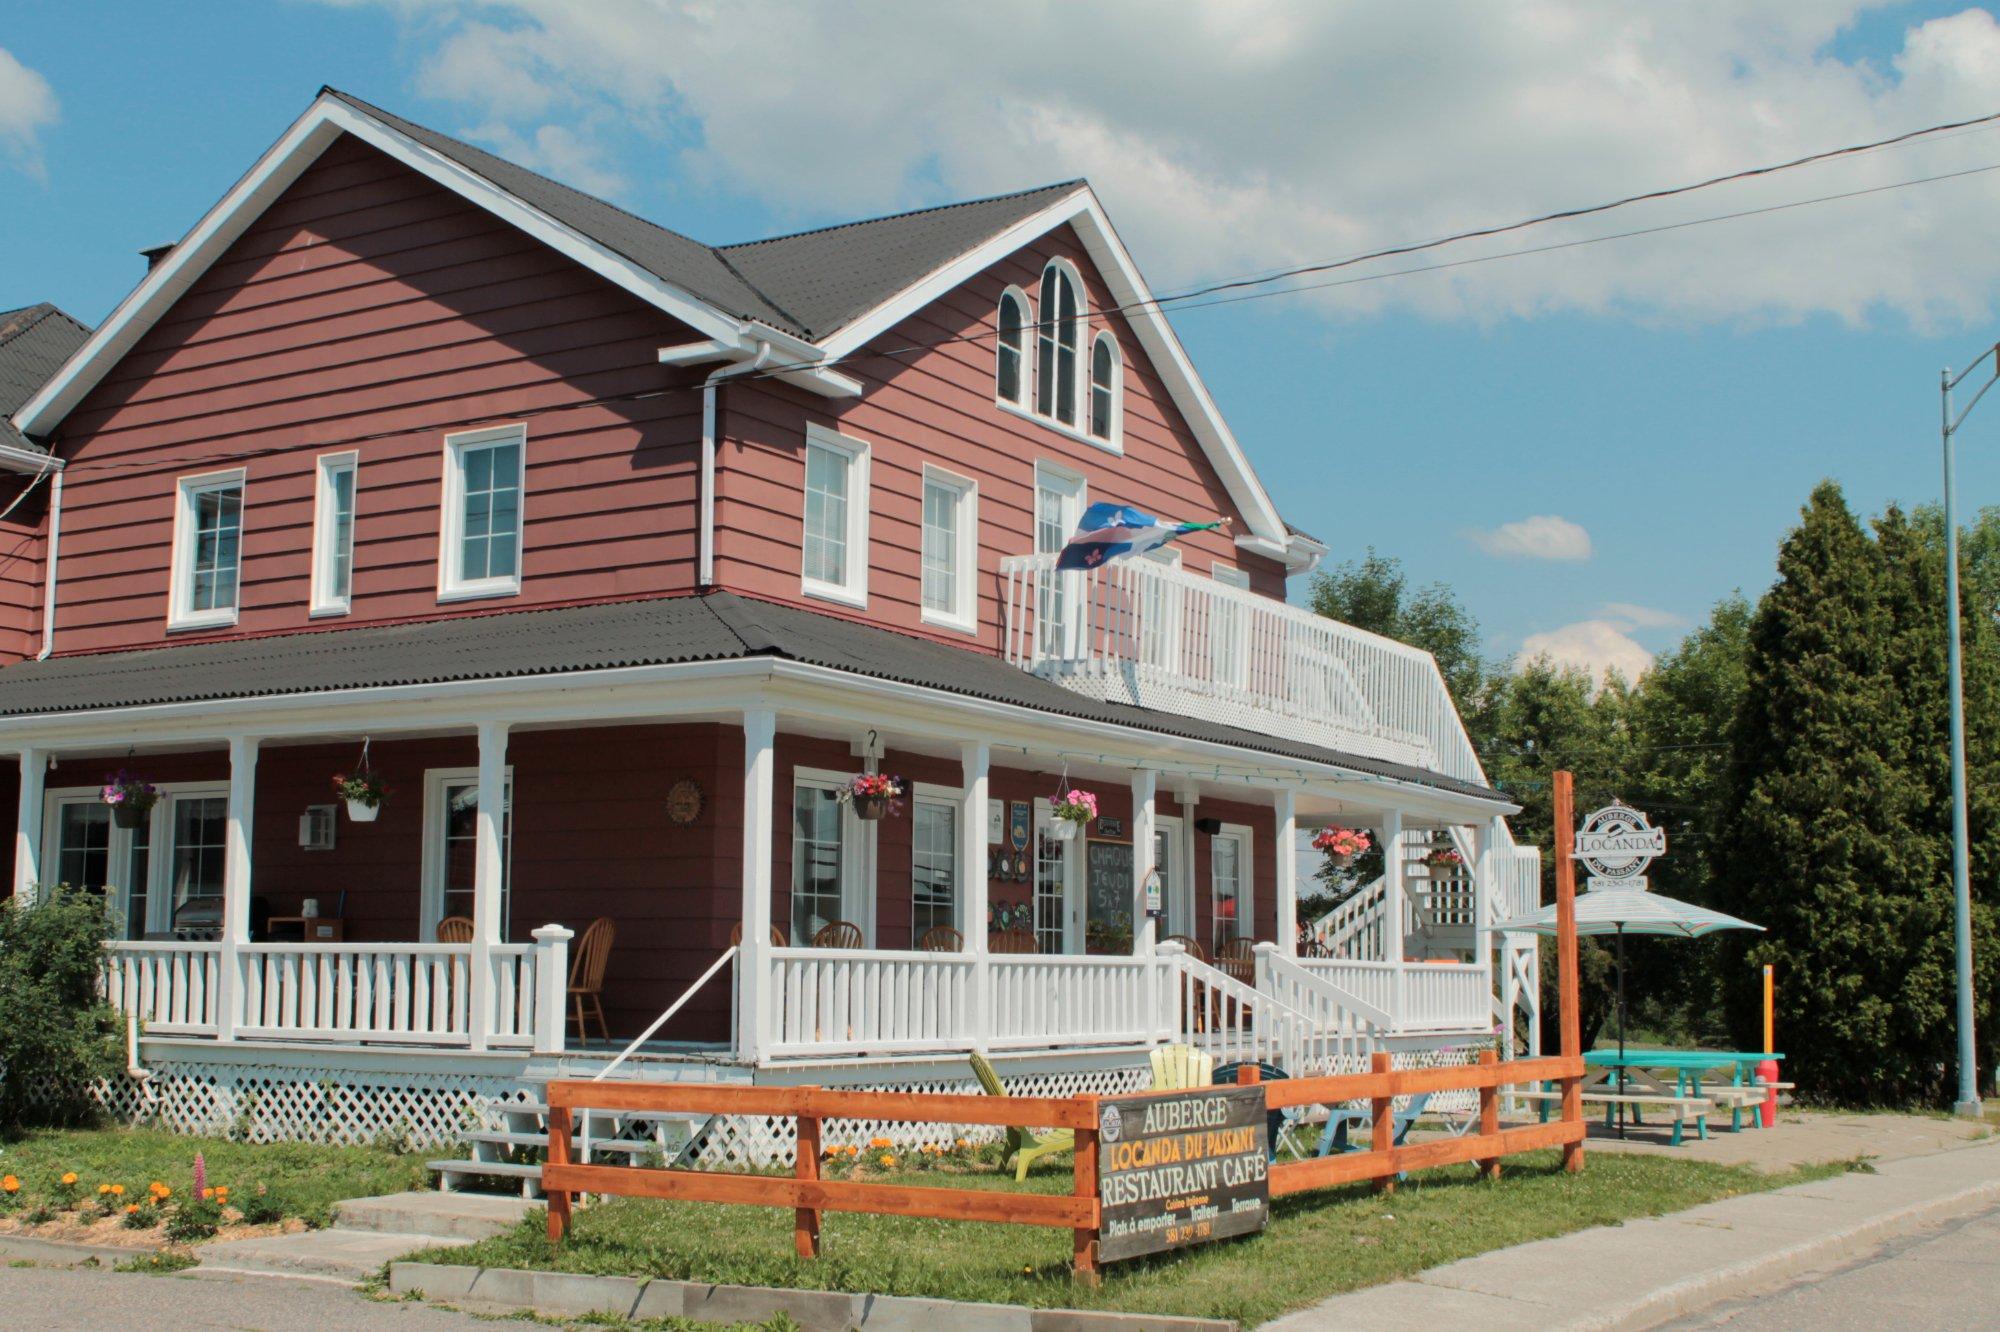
(369, 309)
(937, 406)
(21, 555)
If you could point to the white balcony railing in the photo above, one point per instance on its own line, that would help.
(1156, 636)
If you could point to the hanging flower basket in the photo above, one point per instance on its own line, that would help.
(131, 798)
(874, 795)
(364, 793)
(1342, 846)
(1071, 811)
(1443, 863)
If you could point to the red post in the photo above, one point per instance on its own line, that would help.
(1489, 1115)
(1382, 1138)
(1569, 1012)
(558, 1156)
(805, 1166)
(1083, 1263)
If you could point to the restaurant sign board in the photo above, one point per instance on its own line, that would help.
(1181, 1169)
(1616, 844)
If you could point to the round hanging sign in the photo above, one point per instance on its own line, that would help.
(1616, 844)
(684, 802)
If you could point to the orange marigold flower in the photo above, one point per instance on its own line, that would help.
(221, 1192)
(131, 1208)
(117, 1190)
(887, 1159)
(103, 1188)
(964, 1143)
(11, 1184)
(69, 1178)
(880, 1142)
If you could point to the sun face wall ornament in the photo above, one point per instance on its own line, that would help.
(684, 801)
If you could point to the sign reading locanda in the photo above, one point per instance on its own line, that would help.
(1181, 1169)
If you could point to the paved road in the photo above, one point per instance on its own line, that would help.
(50, 1297)
(1943, 1277)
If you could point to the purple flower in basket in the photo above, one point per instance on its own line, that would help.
(128, 788)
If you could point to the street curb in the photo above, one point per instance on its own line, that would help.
(70, 1253)
(1693, 1294)
(813, 1310)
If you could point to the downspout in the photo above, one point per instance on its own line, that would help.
(705, 556)
(49, 577)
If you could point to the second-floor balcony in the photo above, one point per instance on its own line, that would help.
(1156, 636)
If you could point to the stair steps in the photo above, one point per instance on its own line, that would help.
(625, 1133)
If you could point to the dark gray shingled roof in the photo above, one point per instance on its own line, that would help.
(720, 626)
(809, 284)
(34, 342)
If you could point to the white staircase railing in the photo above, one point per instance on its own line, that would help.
(1346, 1027)
(1236, 1022)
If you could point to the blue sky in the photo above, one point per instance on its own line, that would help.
(1674, 397)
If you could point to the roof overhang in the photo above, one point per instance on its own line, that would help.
(781, 363)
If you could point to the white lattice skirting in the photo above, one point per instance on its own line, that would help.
(276, 1103)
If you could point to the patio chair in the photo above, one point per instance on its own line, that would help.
(1024, 1146)
(941, 939)
(1334, 1137)
(455, 929)
(1282, 1126)
(1194, 949)
(838, 934)
(736, 936)
(1181, 1067)
(1238, 958)
(1011, 941)
(586, 974)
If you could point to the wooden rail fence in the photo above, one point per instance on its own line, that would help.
(808, 1195)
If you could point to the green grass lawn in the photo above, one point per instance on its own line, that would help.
(310, 1179)
(1317, 1245)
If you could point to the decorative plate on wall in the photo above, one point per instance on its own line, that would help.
(684, 802)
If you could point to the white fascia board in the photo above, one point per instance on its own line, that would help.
(699, 353)
(274, 172)
(1081, 209)
(806, 373)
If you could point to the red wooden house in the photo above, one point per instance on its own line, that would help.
(617, 555)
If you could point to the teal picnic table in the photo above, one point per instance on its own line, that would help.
(1647, 1069)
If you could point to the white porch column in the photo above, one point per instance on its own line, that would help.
(1488, 901)
(551, 988)
(1285, 810)
(488, 871)
(1394, 905)
(975, 759)
(753, 963)
(1145, 806)
(28, 824)
(236, 846)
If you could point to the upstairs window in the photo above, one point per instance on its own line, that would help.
(835, 545)
(479, 552)
(333, 535)
(1105, 372)
(950, 549)
(208, 551)
(1059, 344)
(1010, 370)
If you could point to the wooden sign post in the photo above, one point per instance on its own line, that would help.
(1569, 1014)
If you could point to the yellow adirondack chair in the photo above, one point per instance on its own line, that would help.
(1181, 1068)
(1024, 1146)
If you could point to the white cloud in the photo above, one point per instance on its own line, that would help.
(1642, 617)
(1235, 135)
(1542, 537)
(27, 107)
(1598, 646)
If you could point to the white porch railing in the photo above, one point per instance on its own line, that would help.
(388, 993)
(1157, 636)
(841, 1000)
(1421, 996)
(1069, 1000)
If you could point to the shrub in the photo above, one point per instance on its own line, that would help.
(195, 1219)
(52, 1021)
(262, 1208)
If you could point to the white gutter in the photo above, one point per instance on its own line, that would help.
(27, 460)
(704, 575)
(49, 573)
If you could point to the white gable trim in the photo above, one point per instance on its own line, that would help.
(274, 172)
(1082, 210)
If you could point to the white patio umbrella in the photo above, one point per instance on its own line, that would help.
(1627, 910)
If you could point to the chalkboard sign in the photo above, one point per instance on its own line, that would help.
(1181, 1169)
(1107, 922)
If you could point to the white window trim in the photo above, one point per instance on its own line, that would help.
(966, 591)
(853, 590)
(1246, 878)
(451, 522)
(1027, 397)
(431, 892)
(953, 799)
(857, 855)
(1115, 440)
(1075, 489)
(180, 596)
(159, 827)
(323, 601)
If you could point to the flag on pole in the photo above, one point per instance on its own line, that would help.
(1118, 532)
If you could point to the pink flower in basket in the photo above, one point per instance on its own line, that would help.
(1342, 843)
(1444, 858)
(1076, 806)
(876, 784)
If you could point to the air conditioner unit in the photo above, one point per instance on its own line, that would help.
(316, 828)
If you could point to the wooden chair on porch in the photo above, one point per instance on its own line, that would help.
(736, 936)
(839, 934)
(586, 974)
(1198, 993)
(941, 939)
(455, 929)
(1238, 959)
(1011, 941)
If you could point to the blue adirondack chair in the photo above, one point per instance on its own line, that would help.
(1334, 1137)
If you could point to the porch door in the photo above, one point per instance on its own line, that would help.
(832, 860)
(451, 832)
(1058, 899)
(1230, 909)
(195, 826)
(1059, 500)
(1173, 875)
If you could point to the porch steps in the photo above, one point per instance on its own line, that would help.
(495, 1153)
(366, 1234)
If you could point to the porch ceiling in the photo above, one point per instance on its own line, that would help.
(577, 640)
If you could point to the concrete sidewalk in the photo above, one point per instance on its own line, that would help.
(1647, 1272)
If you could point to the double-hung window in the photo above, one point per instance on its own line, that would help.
(1059, 344)
(1229, 886)
(479, 553)
(1059, 504)
(333, 535)
(835, 539)
(950, 550)
(933, 866)
(208, 551)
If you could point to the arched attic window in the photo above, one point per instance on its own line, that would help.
(1059, 344)
(1106, 382)
(1010, 367)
